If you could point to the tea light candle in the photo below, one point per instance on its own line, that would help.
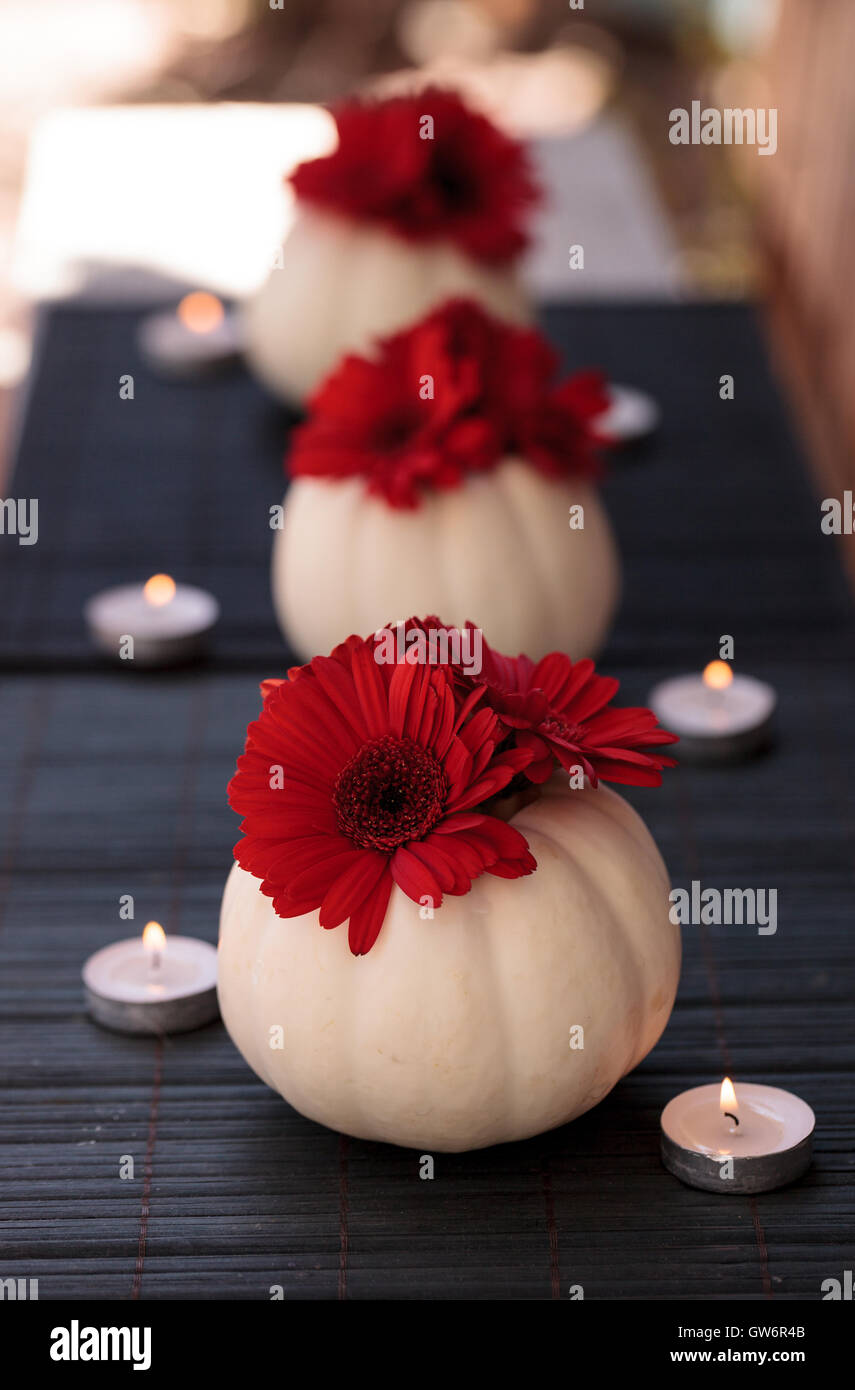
(168, 622)
(719, 716)
(152, 984)
(723, 1141)
(197, 338)
(631, 415)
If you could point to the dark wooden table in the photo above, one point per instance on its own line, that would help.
(113, 782)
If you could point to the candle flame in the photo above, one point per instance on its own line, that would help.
(728, 1101)
(200, 311)
(159, 590)
(153, 937)
(717, 675)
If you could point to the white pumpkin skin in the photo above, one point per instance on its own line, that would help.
(343, 284)
(454, 1033)
(497, 551)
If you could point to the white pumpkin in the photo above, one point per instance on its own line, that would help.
(341, 284)
(455, 1033)
(499, 551)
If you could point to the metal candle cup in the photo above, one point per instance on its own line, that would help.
(763, 1139)
(169, 622)
(137, 986)
(196, 339)
(719, 716)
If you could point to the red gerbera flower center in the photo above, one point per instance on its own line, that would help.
(556, 728)
(390, 792)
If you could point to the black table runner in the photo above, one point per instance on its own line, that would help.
(113, 782)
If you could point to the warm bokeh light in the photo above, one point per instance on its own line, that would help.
(557, 91)
(153, 937)
(717, 675)
(200, 311)
(728, 1101)
(159, 590)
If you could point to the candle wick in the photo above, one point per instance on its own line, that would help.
(735, 1118)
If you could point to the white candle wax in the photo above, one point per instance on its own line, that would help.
(631, 415)
(770, 1121)
(165, 630)
(767, 1136)
(133, 989)
(196, 338)
(715, 724)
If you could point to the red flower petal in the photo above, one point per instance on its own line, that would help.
(414, 877)
(351, 887)
(366, 921)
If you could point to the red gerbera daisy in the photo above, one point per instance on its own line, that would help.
(558, 709)
(357, 776)
(454, 394)
(561, 709)
(426, 167)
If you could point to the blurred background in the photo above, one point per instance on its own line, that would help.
(142, 143)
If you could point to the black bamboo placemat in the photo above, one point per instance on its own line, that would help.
(113, 783)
